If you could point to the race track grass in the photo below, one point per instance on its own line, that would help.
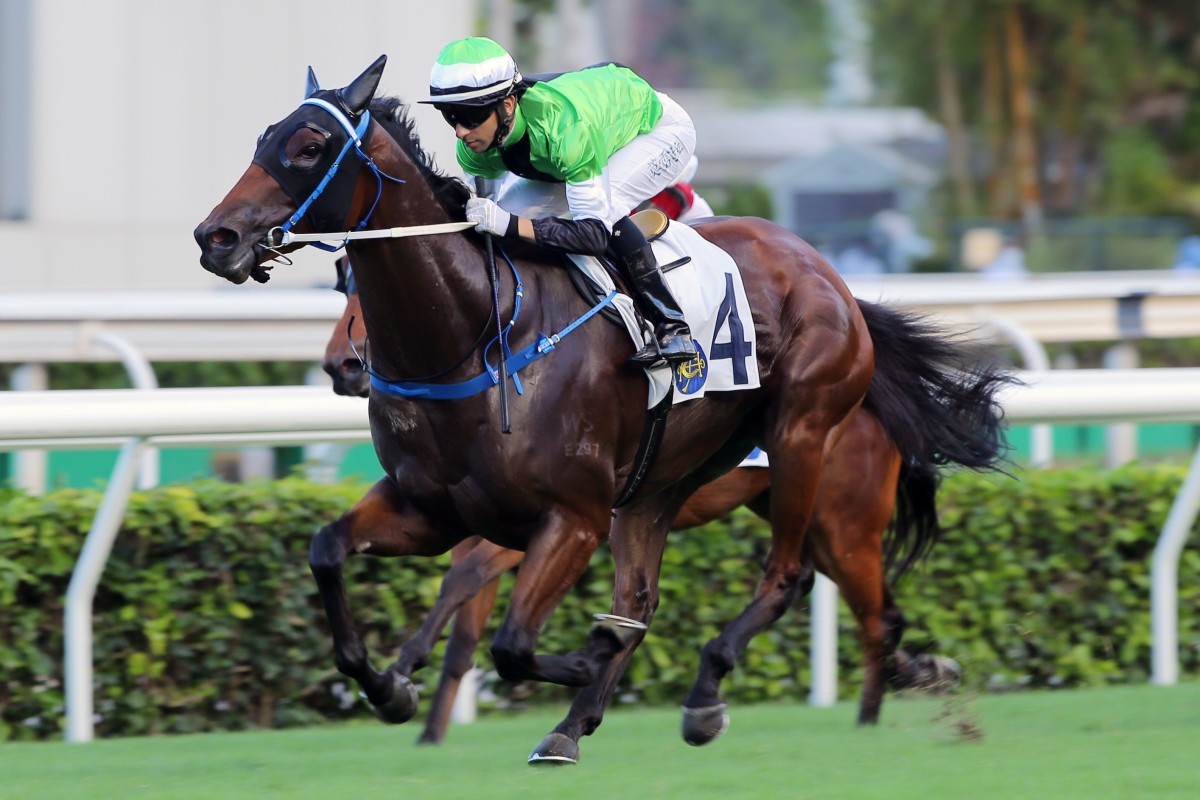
(1106, 744)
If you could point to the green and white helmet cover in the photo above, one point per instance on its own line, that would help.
(474, 72)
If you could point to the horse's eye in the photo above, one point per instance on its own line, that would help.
(304, 147)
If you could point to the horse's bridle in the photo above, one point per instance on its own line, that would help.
(282, 235)
(332, 193)
(292, 182)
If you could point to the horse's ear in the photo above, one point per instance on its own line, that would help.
(312, 85)
(357, 96)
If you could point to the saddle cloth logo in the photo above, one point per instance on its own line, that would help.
(691, 375)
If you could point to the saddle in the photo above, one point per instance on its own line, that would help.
(653, 224)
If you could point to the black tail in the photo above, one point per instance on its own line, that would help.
(939, 407)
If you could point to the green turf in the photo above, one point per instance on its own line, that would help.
(1118, 743)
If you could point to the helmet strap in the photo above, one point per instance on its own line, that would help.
(503, 123)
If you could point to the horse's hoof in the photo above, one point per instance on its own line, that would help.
(702, 725)
(947, 674)
(933, 674)
(556, 750)
(402, 705)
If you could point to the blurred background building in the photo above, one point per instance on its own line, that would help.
(124, 120)
(896, 137)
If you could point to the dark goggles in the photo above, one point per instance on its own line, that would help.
(470, 117)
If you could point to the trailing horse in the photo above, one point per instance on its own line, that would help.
(549, 489)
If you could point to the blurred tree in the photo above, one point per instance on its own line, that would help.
(779, 46)
(740, 200)
(1084, 105)
(173, 374)
(1050, 106)
(709, 44)
(950, 104)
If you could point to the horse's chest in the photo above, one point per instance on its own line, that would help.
(395, 419)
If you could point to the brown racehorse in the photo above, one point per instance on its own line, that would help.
(341, 161)
(859, 488)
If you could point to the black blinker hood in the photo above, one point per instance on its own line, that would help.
(328, 212)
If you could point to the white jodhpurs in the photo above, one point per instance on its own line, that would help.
(651, 162)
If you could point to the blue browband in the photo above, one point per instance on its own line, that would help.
(491, 377)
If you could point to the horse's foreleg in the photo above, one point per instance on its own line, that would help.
(378, 524)
(637, 555)
(468, 627)
(554, 561)
(482, 559)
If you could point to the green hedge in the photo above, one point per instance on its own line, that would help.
(207, 617)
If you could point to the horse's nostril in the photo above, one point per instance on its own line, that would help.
(223, 238)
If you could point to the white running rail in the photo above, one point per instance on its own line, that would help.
(136, 419)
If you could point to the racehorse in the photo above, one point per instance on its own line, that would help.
(863, 482)
(341, 161)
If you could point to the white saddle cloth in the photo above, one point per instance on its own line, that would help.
(708, 288)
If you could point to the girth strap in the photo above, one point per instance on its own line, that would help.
(647, 454)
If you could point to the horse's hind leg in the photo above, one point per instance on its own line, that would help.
(928, 672)
(853, 508)
(797, 442)
(703, 711)
(855, 564)
(898, 665)
(469, 622)
(379, 524)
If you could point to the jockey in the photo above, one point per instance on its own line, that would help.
(602, 131)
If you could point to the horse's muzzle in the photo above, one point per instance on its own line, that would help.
(349, 378)
(222, 252)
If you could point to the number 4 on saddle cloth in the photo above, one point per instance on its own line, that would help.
(708, 286)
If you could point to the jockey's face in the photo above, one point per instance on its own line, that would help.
(480, 137)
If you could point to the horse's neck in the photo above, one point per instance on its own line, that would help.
(424, 298)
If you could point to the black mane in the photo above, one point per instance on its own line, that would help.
(392, 114)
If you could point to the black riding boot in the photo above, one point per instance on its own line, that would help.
(653, 298)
